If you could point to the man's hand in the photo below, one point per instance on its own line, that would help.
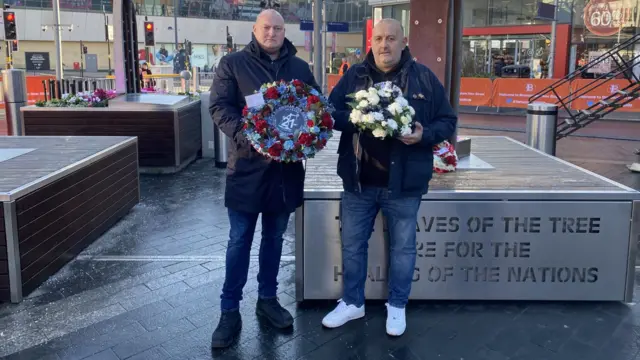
(413, 138)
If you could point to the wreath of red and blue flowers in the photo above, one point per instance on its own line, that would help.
(305, 142)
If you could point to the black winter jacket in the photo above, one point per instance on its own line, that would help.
(254, 182)
(411, 166)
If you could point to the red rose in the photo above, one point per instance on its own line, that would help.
(450, 160)
(275, 150)
(297, 83)
(245, 111)
(312, 99)
(292, 99)
(321, 144)
(261, 125)
(327, 121)
(310, 123)
(305, 139)
(266, 111)
(272, 93)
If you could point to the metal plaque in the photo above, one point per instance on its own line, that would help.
(486, 250)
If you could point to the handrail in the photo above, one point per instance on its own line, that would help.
(610, 53)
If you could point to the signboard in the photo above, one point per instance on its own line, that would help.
(607, 17)
(603, 66)
(337, 27)
(37, 61)
(546, 11)
(306, 25)
(485, 250)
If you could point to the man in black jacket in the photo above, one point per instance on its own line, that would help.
(255, 184)
(387, 174)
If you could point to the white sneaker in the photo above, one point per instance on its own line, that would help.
(396, 322)
(342, 314)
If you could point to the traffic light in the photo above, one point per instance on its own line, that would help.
(14, 45)
(149, 35)
(10, 32)
(84, 50)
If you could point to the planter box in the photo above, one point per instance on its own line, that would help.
(169, 137)
(57, 196)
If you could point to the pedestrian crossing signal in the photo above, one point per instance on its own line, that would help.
(14, 45)
(149, 35)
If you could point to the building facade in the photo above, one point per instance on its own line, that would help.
(508, 32)
(203, 22)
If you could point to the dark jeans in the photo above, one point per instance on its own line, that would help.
(243, 226)
(359, 211)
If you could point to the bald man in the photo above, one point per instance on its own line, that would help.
(255, 184)
(388, 174)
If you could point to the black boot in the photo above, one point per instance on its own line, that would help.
(227, 330)
(277, 315)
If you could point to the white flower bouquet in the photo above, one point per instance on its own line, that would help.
(382, 110)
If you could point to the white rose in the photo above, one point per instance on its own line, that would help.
(392, 124)
(372, 90)
(394, 109)
(368, 118)
(383, 123)
(355, 116)
(379, 133)
(413, 112)
(405, 131)
(405, 120)
(382, 93)
(374, 99)
(378, 116)
(361, 94)
(363, 104)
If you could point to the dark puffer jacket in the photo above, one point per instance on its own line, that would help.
(411, 166)
(254, 182)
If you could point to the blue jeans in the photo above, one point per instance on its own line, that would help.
(243, 227)
(359, 211)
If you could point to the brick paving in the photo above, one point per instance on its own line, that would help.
(157, 298)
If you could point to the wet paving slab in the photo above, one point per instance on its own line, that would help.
(150, 287)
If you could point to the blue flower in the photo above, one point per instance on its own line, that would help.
(307, 150)
(269, 142)
(288, 145)
(256, 137)
(282, 88)
(314, 92)
(315, 129)
(311, 115)
(324, 136)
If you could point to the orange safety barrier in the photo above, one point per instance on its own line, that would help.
(602, 89)
(332, 81)
(35, 89)
(515, 93)
(475, 91)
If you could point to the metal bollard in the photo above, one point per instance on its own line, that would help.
(14, 84)
(541, 127)
(222, 144)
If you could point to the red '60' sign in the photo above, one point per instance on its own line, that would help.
(606, 17)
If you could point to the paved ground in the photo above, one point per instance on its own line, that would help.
(145, 291)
